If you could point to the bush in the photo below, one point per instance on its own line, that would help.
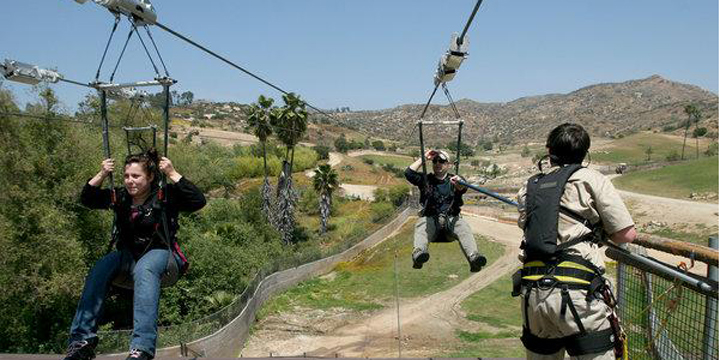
(672, 156)
(323, 152)
(368, 161)
(698, 132)
(381, 210)
(525, 151)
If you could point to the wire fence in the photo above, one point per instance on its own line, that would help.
(665, 317)
(177, 335)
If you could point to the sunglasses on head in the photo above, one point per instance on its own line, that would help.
(439, 160)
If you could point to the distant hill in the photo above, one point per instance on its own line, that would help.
(607, 110)
(604, 109)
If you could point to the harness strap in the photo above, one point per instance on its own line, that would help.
(567, 303)
(527, 297)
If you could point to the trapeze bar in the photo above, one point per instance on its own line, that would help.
(142, 128)
(456, 122)
(156, 82)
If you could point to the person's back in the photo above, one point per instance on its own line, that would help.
(561, 280)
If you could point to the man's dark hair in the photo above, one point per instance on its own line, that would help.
(568, 144)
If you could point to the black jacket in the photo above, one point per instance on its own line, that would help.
(441, 195)
(140, 227)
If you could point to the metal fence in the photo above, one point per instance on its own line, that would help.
(667, 317)
(116, 341)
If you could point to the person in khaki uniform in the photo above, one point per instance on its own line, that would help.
(441, 198)
(561, 279)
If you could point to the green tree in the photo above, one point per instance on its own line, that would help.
(378, 145)
(649, 152)
(692, 112)
(260, 117)
(289, 124)
(696, 119)
(187, 98)
(325, 183)
(341, 144)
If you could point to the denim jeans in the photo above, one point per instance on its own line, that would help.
(146, 274)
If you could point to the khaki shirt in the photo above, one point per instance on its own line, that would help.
(591, 195)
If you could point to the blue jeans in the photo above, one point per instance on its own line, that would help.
(146, 274)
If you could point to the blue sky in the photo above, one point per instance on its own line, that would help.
(375, 54)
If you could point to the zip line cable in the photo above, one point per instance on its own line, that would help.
(76, 83)
(7, 114)
(221, 58)
(470, 20)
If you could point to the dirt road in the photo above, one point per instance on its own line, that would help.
(670, 210)
(425, 322)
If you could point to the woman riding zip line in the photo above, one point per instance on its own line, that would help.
(143, 211)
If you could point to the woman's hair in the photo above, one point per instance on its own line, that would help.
(568, 144)
(149, 161)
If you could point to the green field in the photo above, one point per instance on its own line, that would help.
(632, 149)
(676, 181)
(368, 282)
(400, 162)
(493, 306)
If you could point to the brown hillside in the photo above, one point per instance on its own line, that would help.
(604, 109)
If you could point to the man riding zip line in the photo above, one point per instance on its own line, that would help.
(441, 199)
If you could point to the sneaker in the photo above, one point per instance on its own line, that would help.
(136, 354)
(81, 350)
(419, 258)
(477, 262)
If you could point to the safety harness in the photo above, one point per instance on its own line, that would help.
(173, 270)
(549, 266)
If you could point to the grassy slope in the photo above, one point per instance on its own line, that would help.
(676, 181)
(397, 161)
(632, 149)
(368, 282)
(505, 317)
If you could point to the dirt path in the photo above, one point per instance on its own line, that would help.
(425, 322)
(334, 160)
(356, 153)
(671, 210)
(223, 137)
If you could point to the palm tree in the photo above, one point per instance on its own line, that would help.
(260, 117)
(325, 182)
(696, 119)
(289, 124)
(690, 110)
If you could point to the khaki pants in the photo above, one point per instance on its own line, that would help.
(425, 232)
(544, 319)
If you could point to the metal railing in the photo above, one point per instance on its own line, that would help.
(664, 316)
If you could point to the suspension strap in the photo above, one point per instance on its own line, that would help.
(156, 50)
(121, 54)
(112, 33)
(134, 27)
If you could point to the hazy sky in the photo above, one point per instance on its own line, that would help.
(375, 54)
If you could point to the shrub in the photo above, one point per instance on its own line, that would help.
(698, 132)
(672, 156)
